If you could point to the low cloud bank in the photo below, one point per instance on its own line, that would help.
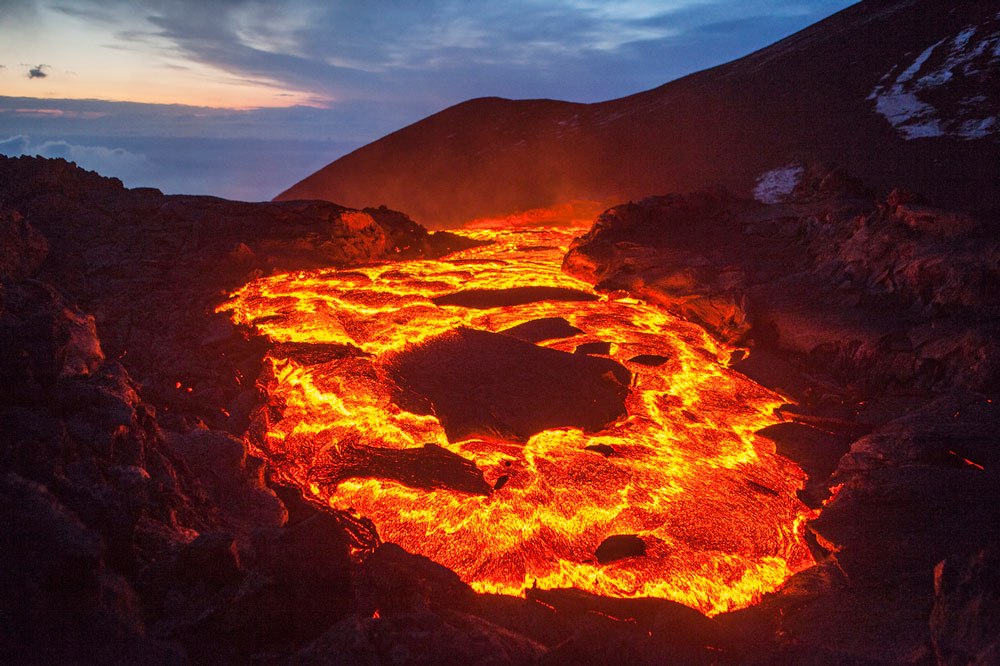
(241, 169)
(106, 161)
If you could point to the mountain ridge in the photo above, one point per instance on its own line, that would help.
(815, 96)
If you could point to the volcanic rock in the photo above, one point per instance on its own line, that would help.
(233, 480)
(860, 288)
(538, 330)
(225, 605)
(825, 620)
(502, 298)
(302, 584)
(46, 339)
(61, 603)
(966, 608)
(211, 559)
(393, 580)
(486, 385)
(647, 628)
(774, 370)
(22, 247)
(914, 492)
(598, 348)
(651, 360)
(151, 269)
(672, 251)
(77, 426)
(411, 610)
(815, 451)
(421, 637)
(428, 467)
(619, 547)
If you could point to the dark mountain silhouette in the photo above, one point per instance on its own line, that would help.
(901, 92)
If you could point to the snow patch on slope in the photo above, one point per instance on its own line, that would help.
(774, 185)
(942, 72)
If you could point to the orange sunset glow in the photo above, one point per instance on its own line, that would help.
(59, 55)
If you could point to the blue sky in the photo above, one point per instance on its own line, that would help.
(242, 98)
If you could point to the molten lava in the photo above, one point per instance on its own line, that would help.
(713, 504)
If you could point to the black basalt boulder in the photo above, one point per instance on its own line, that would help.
(618, 547)
(487, 385)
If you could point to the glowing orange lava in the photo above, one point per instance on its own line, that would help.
(714, 504)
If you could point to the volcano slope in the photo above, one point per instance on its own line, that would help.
(902, 91)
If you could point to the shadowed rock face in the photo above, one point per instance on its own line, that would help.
(966, 606)
(149, 269)
(889, 292)
(487, 385)
(22, 247)
(878, 318)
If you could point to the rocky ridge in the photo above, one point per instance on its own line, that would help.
(878, 319)
(151, 269)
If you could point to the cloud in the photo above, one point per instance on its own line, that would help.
(18, 11)
(14, 146)
(37, 72)
(97, 158)
(436, 52)
(248, 169)
(106, 161)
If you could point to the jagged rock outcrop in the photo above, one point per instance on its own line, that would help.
(879, 319)
(91, 494)
(150, 270)
(966, 608)
(22, 247)
(888, 293)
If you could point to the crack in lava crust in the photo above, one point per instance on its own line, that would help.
(713, 503)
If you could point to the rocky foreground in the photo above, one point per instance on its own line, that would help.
(880, 320)
(137, 529)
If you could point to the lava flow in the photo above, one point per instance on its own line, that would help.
(713, 504)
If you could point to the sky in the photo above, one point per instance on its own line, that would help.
(243, 98)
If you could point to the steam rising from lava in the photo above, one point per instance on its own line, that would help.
(713, 503)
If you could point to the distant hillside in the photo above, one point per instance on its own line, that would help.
(901, 92)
